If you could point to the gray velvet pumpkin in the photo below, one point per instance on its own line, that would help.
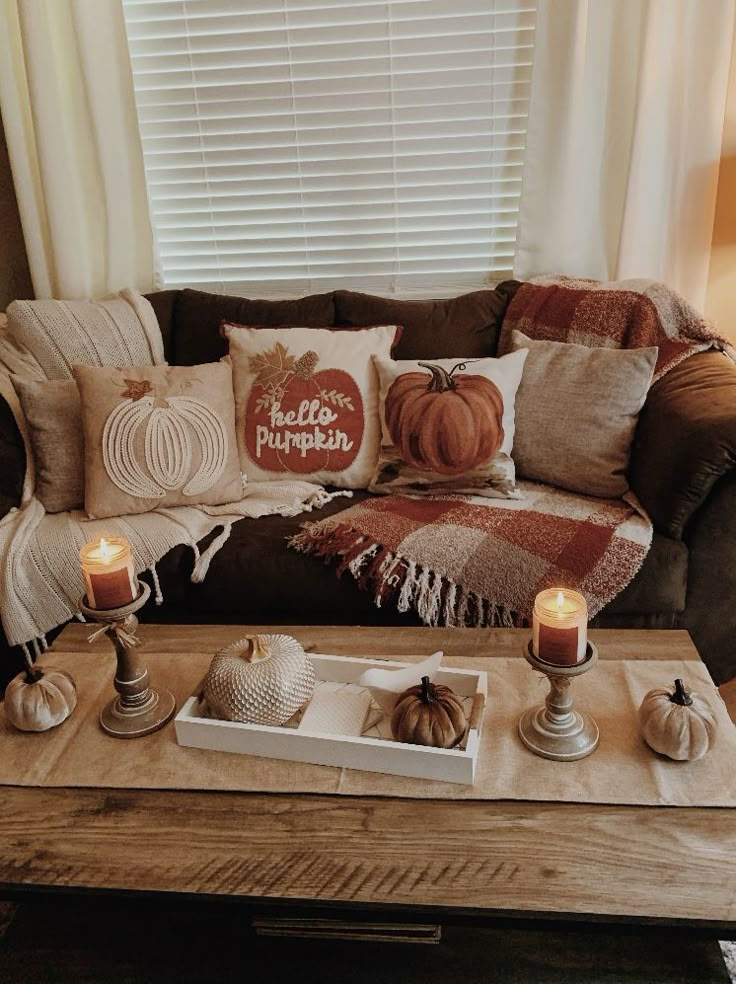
(261, 679)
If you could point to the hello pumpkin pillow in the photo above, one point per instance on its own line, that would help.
(448, 426)
(158, 436)
(306, 401)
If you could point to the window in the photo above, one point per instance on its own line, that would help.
(293, 146)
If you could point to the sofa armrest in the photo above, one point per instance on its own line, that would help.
(685, 439)
(12, 460)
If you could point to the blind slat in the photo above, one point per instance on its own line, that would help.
(296, 143)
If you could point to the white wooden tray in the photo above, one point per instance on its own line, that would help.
(374, 751)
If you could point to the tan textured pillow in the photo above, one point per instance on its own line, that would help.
(54, 416)
(307, 401)
(576, 411)
(448, 426)
(158, 436)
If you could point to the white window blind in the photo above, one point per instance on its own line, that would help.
(293, 146)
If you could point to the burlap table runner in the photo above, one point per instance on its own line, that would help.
(622, 770)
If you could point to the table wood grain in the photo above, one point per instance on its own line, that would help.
(515, 858)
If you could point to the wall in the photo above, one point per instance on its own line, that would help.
(720, 303)
(15, 279)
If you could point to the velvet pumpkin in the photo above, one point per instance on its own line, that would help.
(39, 699)
(444, 423)
(677, 724)
(429, 714)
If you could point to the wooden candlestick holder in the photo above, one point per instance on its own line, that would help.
(556, 730)
(137, 710)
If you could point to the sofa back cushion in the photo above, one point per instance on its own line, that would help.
(198, 316)
(462, 327)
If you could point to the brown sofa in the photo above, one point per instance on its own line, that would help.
(682, 469)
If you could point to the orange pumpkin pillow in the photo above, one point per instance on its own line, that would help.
(158, 436)
(306, 401)
(448, 426)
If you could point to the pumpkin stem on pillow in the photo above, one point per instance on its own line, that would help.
(33, 675)
(442, 379)
(681, 696)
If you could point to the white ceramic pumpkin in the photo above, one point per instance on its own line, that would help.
(262, 679)
(677, 724)
(40, 698)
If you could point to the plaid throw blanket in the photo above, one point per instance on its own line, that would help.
(616, 314)
(464, 562)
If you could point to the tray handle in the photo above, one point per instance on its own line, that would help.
(476, 716)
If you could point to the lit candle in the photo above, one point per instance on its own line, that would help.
(560, 626)
(109, 576)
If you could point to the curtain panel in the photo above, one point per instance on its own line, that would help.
(624, 140)
(68, 108)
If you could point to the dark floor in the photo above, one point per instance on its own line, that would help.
(64, 940)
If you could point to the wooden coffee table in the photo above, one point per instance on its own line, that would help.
(490, 861)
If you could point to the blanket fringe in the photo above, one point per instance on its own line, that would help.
(436, 599)
(202, 563)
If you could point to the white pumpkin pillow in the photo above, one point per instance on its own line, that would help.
(306, 401)
(448, 426)
(158, 436)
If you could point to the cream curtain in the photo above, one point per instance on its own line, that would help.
(68, 109)
(624, 140)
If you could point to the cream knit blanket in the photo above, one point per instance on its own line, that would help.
(41, 582)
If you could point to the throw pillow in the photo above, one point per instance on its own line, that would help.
(306, 402)
(54, 417)
(158, 436)
(121, 331)
(448, 426)
(464, 327)
(576, 411)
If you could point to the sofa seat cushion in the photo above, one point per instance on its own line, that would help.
(255, 578)
(198, 314)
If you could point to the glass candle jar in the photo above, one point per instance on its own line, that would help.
(109, 575)
(560, 626)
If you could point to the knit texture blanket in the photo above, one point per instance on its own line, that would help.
(615, 314)
(41, 581)
(481, 562)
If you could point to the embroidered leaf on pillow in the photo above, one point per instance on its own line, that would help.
(272, 367)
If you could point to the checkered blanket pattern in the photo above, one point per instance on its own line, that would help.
(615, 314)
(462, 562)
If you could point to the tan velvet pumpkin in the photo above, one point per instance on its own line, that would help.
(39, 699)
(677, 724)
(429, 714)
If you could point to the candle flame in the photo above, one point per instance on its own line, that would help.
(560, 599)
(105, 548)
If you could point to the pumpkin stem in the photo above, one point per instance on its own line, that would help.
(33, 675)
(681, 696)
(256, 650)
(427, 694)
(441, 379)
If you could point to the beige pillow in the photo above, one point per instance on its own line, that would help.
(54, 416)
(307, 401)
(158, 436)
(448, 426)
(576, 411)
